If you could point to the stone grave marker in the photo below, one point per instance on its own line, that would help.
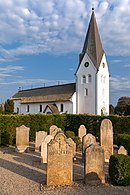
(82, 131)
(73, 144)
(47, 139)
(106, 138)
(54, 130)
(87, 140)
(40, 136)
(94, 165)
(60, 161)
(22, 138)
(122, 150)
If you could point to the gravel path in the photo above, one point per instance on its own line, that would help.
(23, 174)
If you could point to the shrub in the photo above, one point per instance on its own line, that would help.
(119, 169)
(76, 139)
(123, 140)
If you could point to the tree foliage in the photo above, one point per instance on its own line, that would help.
(122, 107)
(9, 106)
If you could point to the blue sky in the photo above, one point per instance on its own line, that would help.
(40, 42)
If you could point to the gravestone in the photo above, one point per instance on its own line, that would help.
(94, 165)
(73, 144)
(40, 136)
(87, 140)
(106, 138)
(47, 139)
(81, 132)
(54, 130)
(122, 150)
(22, 138)
(60, 161)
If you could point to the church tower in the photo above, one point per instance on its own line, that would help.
(92, 75)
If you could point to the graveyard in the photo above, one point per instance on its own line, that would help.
(53, 164)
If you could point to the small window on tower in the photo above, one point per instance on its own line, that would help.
(40, 108)
(61, 108)
(83, 79)
(86, 92)
(27, 108)
(89, 78)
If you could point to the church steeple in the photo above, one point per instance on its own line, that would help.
(92, 45)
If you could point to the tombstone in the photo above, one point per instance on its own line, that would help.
(40, 136)
(73, 144)
(60, 161)
(87, 140)
(106, 138)
(47, 139)
(122, 150)
(94, 165)
(22, 138)
(81, 132)
(52, 128)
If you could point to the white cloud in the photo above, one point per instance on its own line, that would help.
(31, 27)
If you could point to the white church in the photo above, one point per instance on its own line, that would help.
(89, 93)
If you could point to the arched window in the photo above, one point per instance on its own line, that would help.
(40, 108)
(103, 92)
(61, 107)
(83, 79)
(27, 108)
(89, 78)
(86, 92)
(104, 79)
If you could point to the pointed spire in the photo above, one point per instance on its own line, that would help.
(92, 45)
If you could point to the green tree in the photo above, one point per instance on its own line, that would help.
(111, 109)
(127, 110)
(9, 106)
(122, 105)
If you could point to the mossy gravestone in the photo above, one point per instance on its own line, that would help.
(60, 161)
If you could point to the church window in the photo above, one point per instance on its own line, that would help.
(61, 107)
(83, 79)
(89, 78)
(40, 108)
(86, 92)
(17, 110)
(104, 79)
(103, 92)
(27, 108)
(101, 78)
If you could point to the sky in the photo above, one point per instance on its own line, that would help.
(40, 42)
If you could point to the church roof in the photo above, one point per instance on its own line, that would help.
(46, 94)
(92, 45)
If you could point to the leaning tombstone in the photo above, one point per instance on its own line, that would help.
(106, 138)
(47, 139)
(122, 150)
(22, 138)
(60, 161)
(81, 132)
(87, 140)
(73, 144)
(40, 136)
(94, 165)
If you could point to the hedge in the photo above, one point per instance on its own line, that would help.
(119, 169)
(67, 122)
